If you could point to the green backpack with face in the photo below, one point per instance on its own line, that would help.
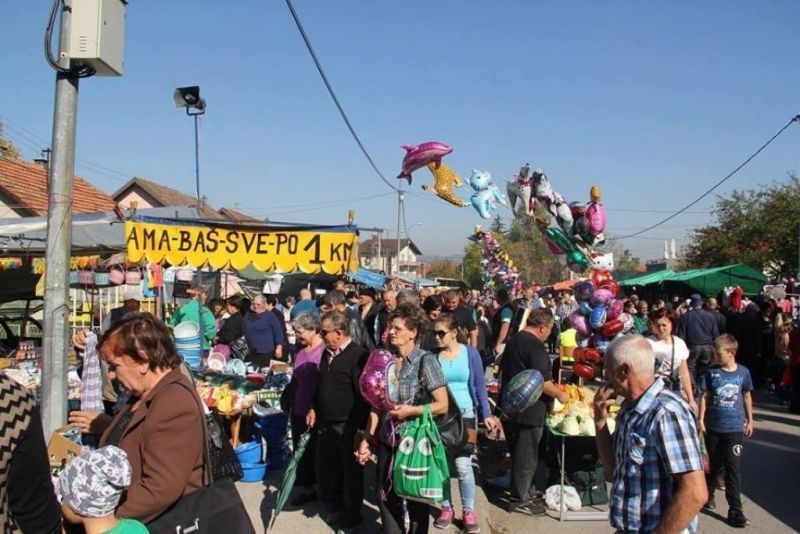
(420, 464)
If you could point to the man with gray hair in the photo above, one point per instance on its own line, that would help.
(336, 301)
(407, 296)
(658, 484)
(339, 412)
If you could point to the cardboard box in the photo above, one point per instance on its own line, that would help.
(61, 448)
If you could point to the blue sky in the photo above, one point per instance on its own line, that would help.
(653, 101)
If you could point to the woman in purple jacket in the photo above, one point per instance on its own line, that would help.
(463, 370)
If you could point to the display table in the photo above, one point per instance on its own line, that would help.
(563, 513)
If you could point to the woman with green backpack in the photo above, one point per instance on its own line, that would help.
(414, 370)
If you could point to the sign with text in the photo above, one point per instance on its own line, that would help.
(280, 250)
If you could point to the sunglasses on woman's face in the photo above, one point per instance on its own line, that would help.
(441, 333)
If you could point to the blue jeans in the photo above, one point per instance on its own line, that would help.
(466, 477)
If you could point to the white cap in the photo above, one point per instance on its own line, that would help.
(132, 294)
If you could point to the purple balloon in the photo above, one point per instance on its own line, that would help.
(615, 308)
(601, 296)
(580, 324)
(583, 290)
(374, 380)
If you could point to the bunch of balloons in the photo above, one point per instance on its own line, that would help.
(572, 229)
(599, 318)
(498, 268)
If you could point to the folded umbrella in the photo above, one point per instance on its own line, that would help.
(290, 475)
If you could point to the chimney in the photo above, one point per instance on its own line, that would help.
(42, 162)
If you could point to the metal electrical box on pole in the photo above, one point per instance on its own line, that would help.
(70, 68)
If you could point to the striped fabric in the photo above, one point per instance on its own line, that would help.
(655, 439)
(16, 405)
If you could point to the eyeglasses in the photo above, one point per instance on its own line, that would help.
(441, 333)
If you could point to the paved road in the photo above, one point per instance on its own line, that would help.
(770, 478)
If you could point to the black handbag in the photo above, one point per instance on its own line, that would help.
(222, 458)
(239, 348)
(216, 507)
(451, 425)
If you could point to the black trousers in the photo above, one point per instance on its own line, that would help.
(392, 507)
(306, 475)
(523, 444)
(725, 450)
(340, 478)
(699, 359)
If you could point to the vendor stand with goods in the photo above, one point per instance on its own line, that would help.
(573, 423)
(248, 399)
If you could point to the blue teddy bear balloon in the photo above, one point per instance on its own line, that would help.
(487, 195)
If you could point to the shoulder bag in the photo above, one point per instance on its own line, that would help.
(420, 470)
(673, 383)
(216, 507)
(222, 458)
(452, 428)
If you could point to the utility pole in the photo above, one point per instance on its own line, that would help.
(399, 208)
(59, 238)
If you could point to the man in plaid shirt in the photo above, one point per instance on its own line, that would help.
(654, 455)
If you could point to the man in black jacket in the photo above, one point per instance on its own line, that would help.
(526, 350)
(340, 415)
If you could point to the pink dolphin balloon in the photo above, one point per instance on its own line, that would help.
(374, 380)
(421, 155)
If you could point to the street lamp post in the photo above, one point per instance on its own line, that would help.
(189, 99)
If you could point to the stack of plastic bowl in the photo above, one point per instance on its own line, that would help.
(188, 343)
(249, 455)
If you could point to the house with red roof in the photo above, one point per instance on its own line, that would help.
(24, 191)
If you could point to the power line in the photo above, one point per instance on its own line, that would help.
(701, 197)
(36, 142)
(310, 204)
(333, 94)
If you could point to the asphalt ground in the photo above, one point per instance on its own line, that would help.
(770, 481)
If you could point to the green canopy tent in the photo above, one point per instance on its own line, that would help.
(709, 281)
(712, 281)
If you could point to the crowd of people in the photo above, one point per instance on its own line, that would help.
(682, 373)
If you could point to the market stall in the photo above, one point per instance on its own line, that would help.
(710, 282)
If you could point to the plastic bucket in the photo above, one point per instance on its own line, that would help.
(186, 330)
(249, 453)
(101, 279)
(253, 472)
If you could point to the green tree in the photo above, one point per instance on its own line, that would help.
(473, 270)
(758, 227)
(498, 226)
(624, 261)
(444, 269)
